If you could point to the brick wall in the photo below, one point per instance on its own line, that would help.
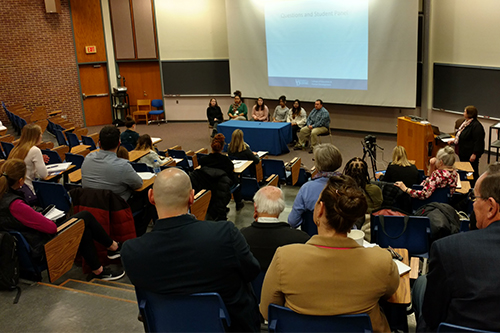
(37, 59)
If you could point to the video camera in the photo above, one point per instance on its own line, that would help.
(370, 141)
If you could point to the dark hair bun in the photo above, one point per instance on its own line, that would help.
(218, 142)
(351, 203)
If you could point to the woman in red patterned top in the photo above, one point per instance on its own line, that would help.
(442, 174)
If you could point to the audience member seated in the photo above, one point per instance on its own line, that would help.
(400, 169)
(281, 111)
(17, 215)
(318, 122)
(297, 116)
(28, 151)
(239, 150)
(182, 255)
(267, 233)
(442, 173)
(146, 144)
(104, 170)
(461, 287)
(327, 159)
(260, 111)
(214, 115)
(238, 110)
(332, 274)
(129, 136)
(122, 152)
(358, 170)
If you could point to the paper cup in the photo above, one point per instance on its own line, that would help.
(357, 235)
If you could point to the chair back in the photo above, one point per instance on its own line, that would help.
(257, 284)
(127, 146)
(140, 167)
(87, 140)
(308, 224)
(441, 195)
(199, 207)
(450, 328)
(60, 138)
(143, 105)
(277, 167)
(249, 186)
(72, 140)
(409, 232)
(75, 159)
(283, 319)
(157, 104)
(7, 147)
(203, 312)
(53, 156)
(52, 194)
(175, 153)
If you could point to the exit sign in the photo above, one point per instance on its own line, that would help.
(90, 49)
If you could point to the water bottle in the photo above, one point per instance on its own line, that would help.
(156, 167)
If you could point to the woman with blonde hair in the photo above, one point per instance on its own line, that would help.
(400, 169)
(27, 150)
(144, 143)
(442, 174)
(239, 150)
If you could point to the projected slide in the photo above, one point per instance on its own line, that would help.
(317, 44)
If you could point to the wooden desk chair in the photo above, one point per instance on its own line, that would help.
(61, 151)
(46, 145)
(294, 166)
(60, 252)
(143, 109)
(200, 204)
(272, 180)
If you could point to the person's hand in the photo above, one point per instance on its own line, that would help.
(310, 127)
(378, 175)
(46, 159)
(401, 185)
(215, 119)
(293, 124)
(472, 158)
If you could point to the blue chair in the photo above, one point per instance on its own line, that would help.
(127, 146)
(464, 225)
(87, 140)
(440, 195)
(257, 284)
(409, 232)
(450, 328)
(200, 155)
(421, 175)
(7, 147)
(277, 167)
(61, 140)
(158, 104)
(308, 224)
(54, 157)
(204, 312)
(75, 159)
(283, 319)
(249, 186)
(52, 194)
(72, 140)
(140, 167)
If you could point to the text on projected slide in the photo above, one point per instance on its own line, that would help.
(317, 44)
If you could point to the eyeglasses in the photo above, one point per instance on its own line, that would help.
(474, 198)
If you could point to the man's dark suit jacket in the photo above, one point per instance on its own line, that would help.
(182, 255)
(463, 283)
(265, 238)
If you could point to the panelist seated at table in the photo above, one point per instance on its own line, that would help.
(332, 274)
(442, 174)
(297, 116)
(281, 111)
(16, 215)
(144, 143)
(400, 169)
(214, 115)
(238, 110)
(27, 150)
(260, 111)
(318, 122)
(239, 150)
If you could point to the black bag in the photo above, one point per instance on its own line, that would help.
(444, 219)
(9, 264)
(118, 123)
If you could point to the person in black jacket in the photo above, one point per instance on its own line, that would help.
(469, 140)
(239, 150)
(400, 169)
(214, 115)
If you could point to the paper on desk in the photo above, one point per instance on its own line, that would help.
(155, 140)
(58, 167)
(459, 183)
(262, 153)
(146, 175)
(402, 268)
(178, 160)
(54, 214)
(497, 125)
(238, 163)
(447, 140)
(366, 244)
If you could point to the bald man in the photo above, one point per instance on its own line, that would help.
(267, 233)
(182, 255)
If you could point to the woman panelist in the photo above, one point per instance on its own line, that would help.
(238, 110)
(332, 274)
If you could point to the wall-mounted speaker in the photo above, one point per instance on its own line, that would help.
(53, 6)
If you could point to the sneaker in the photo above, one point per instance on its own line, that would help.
(109, 275)
(115, 254)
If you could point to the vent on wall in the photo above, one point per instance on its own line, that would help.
(53, 6)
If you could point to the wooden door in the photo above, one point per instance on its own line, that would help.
(96, 97)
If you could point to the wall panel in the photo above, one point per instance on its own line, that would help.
(88, 29)
(144, 29)
(121, 20)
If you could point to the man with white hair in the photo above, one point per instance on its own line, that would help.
(267, 233)
(182, 255)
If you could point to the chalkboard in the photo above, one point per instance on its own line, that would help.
(196, 77)
(456, 86)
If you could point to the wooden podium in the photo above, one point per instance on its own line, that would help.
(418, 140)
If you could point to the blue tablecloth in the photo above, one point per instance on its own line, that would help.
(271, 137)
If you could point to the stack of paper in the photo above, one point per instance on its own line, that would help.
(262, 153)
(54, 214)
(238, 163)
(54, 169)
(155, 140)
(146, 175)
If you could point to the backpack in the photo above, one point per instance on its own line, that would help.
(444, 219)
(9, 264)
